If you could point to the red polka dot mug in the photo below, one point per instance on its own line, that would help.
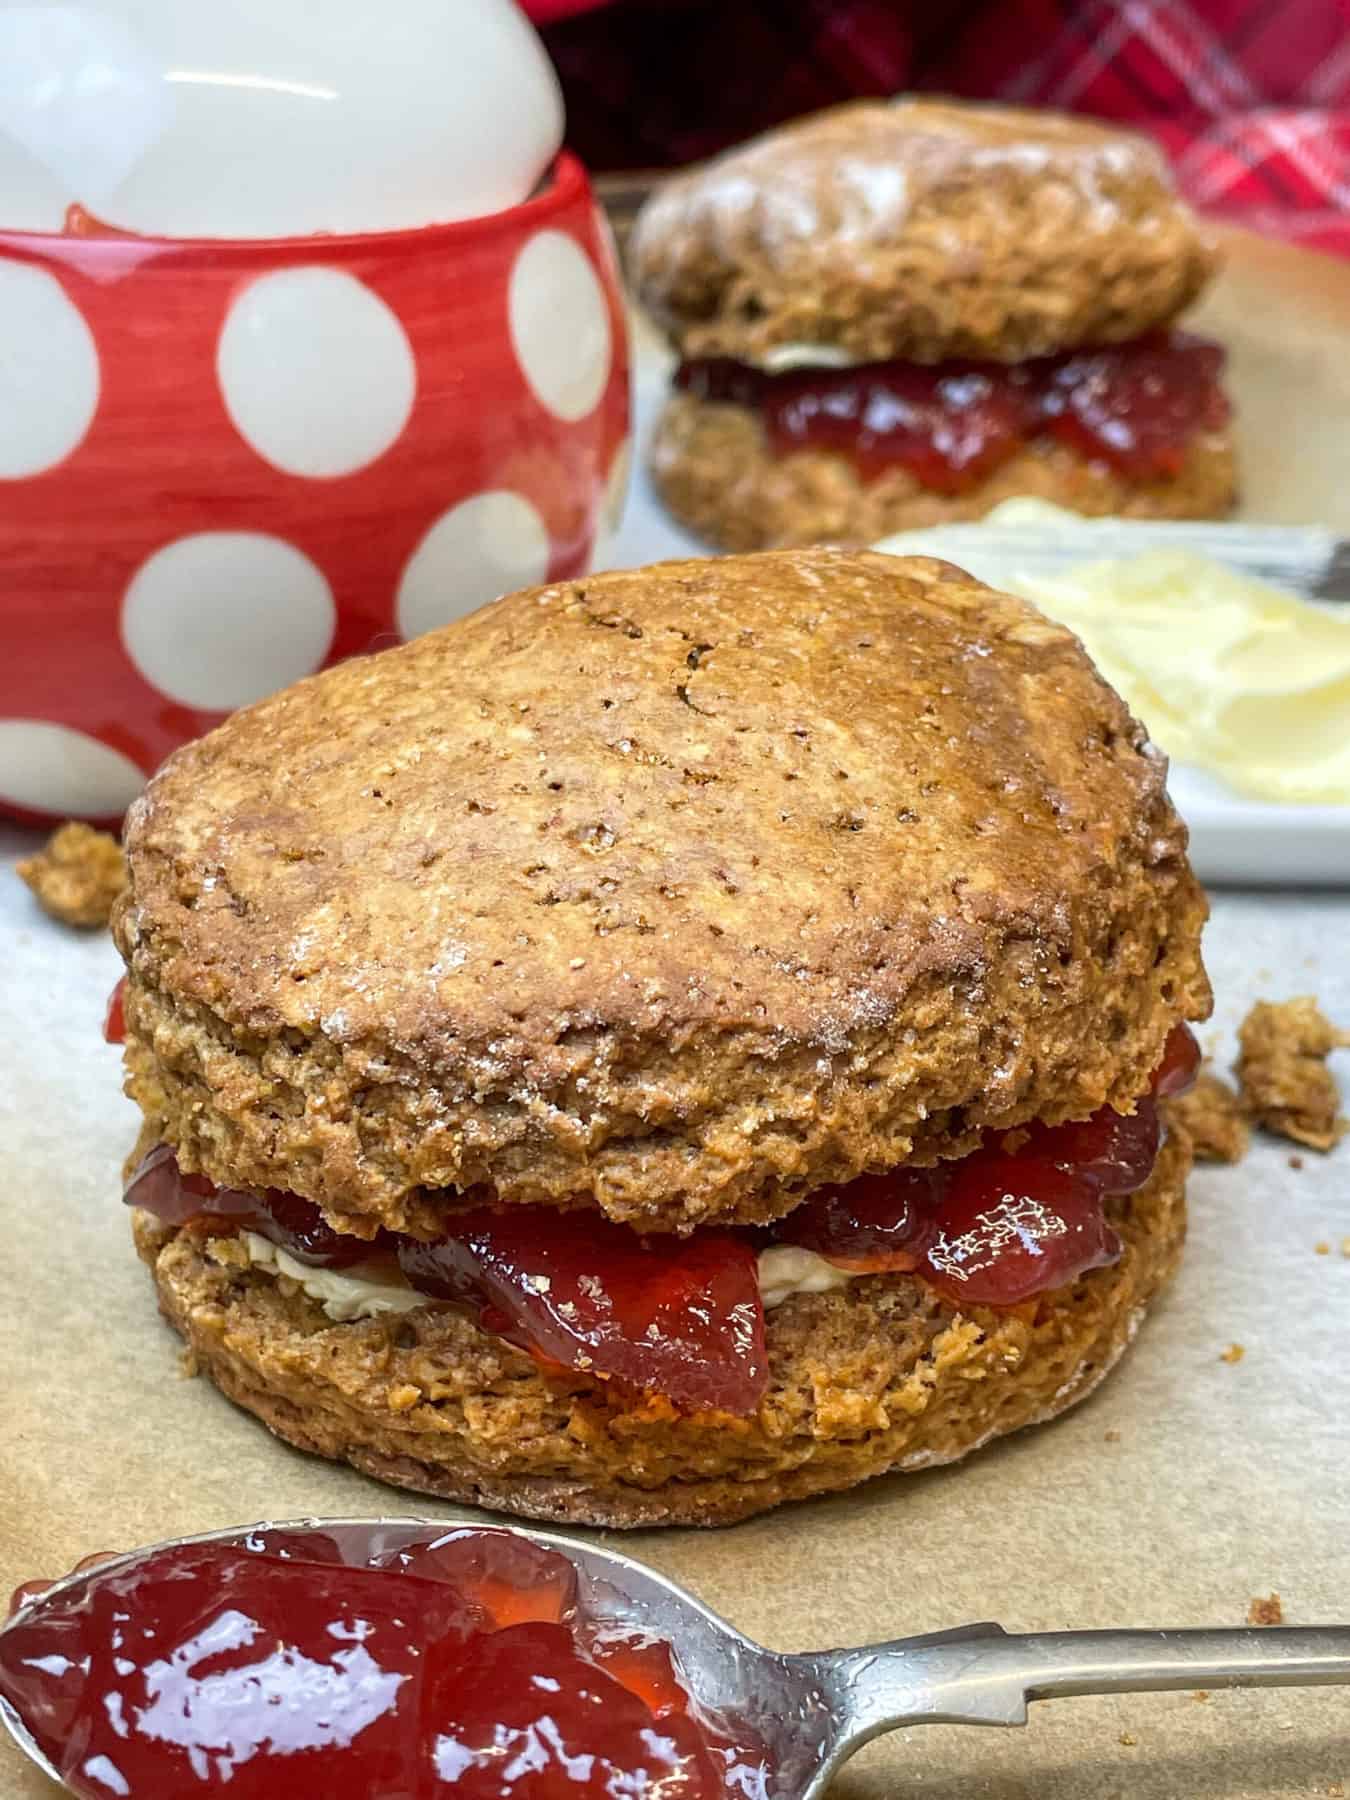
(225, 464)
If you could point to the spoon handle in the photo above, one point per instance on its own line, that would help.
(982, 1675)
(1133, 1662)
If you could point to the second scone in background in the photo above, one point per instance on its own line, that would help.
(894, 315)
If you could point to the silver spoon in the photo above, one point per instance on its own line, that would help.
(812, 1711)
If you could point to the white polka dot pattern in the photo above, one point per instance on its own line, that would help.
(316, 371)
(560, 325)
(54, 768)
(488, 545)
(49, 372)
(221, 618)
(225, 465)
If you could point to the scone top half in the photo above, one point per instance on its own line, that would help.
(924, 230)
(675, 893)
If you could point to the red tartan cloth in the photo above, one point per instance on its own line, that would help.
(1251, 98)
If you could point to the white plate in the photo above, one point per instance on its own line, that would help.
(1233, 840)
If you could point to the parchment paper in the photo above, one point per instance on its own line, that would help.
(1187, 1486)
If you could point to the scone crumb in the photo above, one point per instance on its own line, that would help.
(1202, 1695)
(1296, 1161)
(403, 1396)
(1322, 1248)
(1128, 1739)
(228, 1252)
(1233, 1354)
(1337, 1790)
(77, 875)
(1281, 1068)
(1345, 1246)
(1265, 1612)
(1112, 1436)
(1211, 1114)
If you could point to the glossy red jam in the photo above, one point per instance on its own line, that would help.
(879, 1222)
(1136, 406)
(1004, 1224)
(682, 1317)
(312, 1663)
(1012, 1227)
(1180, 1062)
(997, 1227)
(114, 1020)
(287, 1220)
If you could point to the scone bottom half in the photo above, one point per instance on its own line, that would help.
(574, 1322)
(893, 316)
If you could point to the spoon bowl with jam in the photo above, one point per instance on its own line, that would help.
(398, 1659)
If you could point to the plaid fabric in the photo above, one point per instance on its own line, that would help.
(1251, 98)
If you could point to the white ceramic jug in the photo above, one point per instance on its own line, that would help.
(268, 118)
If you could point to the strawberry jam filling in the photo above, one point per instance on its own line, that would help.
(1136, 406)
(114, 1020)
(683, 1317)
(361, 1664)
(296, 1225)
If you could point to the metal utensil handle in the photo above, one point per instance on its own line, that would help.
(1133, 1662)
(983, 1675)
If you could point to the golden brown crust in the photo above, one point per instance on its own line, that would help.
(716, 472)
(923, 229)
(1281, 1069)
(881, 1375)
(77, 875)
(676, 891)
